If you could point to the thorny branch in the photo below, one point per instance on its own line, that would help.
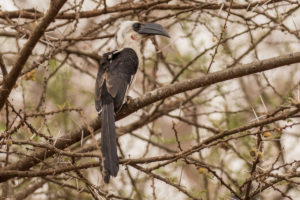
(228, 133)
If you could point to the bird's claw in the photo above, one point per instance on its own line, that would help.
(128, 99)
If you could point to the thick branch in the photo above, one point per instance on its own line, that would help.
(29, 190)
(84, 14)
(11, 78)
(159, 5)
(156, 95)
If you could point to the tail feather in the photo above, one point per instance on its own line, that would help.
(108, 142)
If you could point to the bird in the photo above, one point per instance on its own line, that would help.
(115, 75)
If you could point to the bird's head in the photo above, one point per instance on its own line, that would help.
(132, 32)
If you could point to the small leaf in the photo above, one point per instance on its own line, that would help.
(252, 152)
(30, 75)
(266, 134)
(202, 170)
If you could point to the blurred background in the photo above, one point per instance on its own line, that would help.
(54, 96)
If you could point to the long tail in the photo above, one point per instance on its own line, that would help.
(108, 142)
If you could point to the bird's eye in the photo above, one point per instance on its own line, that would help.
(132, 37)
(136, 26)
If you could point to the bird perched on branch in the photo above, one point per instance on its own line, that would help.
(115, 75)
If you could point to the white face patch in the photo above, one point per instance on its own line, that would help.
(125, 29)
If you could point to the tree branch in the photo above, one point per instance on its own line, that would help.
(159, 5)
(154, 96)
(11, 78)
(2, 66)
(29, 190)
(84, 14)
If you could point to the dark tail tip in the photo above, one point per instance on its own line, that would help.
(107, 171)
(106, 178)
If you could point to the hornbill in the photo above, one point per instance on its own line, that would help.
(115, 74)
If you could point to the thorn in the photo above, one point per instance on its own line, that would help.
(266, 110)
(256, 117)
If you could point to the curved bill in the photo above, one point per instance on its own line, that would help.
(153, 29)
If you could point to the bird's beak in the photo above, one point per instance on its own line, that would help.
(153, 29)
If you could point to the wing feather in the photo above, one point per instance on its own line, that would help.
(120, 75)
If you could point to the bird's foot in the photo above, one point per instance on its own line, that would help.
(129, 99)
